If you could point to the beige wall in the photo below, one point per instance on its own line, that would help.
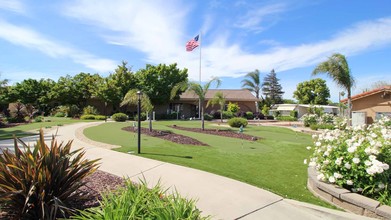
(372, 104)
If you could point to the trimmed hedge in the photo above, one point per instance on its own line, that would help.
(237, 122)
(120, 117)
(87, 117)
(286, 118)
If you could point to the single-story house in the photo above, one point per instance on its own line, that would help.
(371, 104)
(302, 109)
(188, 102)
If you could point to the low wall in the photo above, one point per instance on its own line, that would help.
(343, 198)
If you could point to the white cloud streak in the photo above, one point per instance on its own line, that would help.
(13, 5)
(29, 38)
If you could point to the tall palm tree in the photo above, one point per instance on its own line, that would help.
(253, 83)
(337, 68)
(131, 98)
(199, 90)
(219, 99)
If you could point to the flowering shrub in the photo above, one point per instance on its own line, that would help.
(356, 158)
(309, 119)
(326, 119)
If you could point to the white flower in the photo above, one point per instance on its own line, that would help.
(372, 157)
(367, 150)
(312, 164)
(348, 166)
(381, 185)
(349, 182)
(318, 144)
(368, 163)
(356, 160)
(338, 161)
(308, 148)
(320, 177)
(337, 175)
(305, 161)
(325, 162)
(352, 149)
(331, 179)
(373, 135)
(385, 166)
(326, 153)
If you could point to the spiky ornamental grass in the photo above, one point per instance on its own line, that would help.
(37, 182)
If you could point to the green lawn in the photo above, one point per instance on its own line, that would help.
(274, 163)
(33, 128)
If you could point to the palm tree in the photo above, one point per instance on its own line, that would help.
(337, 68)
(199, 90)
(253, 83)
(219, 99)
(131, 98)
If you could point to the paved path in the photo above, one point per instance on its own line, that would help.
(218, 196)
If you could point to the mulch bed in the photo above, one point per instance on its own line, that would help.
(225, 133)
(167, 135)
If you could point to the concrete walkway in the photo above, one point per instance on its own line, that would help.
(218, 196)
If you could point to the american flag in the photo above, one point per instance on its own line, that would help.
(192, 44)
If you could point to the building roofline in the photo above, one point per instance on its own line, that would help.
(368, 93)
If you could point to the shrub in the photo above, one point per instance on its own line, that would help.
(139, 202)
(265, 110)
(309, 119)
(119, 117)
(73, 111)
(38, 119)
(100, 117)
(326, 118)
(314, 127)
(87, 117)
(249, 115)
(294, 114)
(60, 114)
(208, 117)
(233, 107)
(286, 118)
(240, 114)
(227, 115)
(357, 159)
(276, 114)
(15, 120)
(237, 122)
(37, 182)
(143, 116)
(90, 110)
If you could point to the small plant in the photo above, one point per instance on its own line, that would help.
(38, 119)
(140, 202)
(100, 117)
(227, 115)
(143, 116)
(309, 119)
(233, 107)
(286, 118)
(90, 110)
(37, 182)
(119, 117)
(87, 117)
(237, 122)
(208, 117)
(60, 114)
(249, 115)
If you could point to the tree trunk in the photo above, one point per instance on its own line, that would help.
(150, 121)
(349, 107)
(202, 118)
(221, 116)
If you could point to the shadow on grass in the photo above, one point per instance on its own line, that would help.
(168, 155)
(18, 133)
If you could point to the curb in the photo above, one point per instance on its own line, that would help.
(343, 198)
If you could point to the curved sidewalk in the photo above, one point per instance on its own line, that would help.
(218, 196)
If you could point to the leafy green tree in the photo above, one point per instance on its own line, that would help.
(131, 98)
(314, 91)
(289, 101)
(199, 90)
(337, 68)
(218, 99)
(265, 110)
(253, 83)
(271, 88)
(113, 88)
(3, 94)
(158, 81)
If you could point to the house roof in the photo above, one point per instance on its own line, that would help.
(233, 95)
(372, 92)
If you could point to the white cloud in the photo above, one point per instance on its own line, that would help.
(29, 38)
(254, 18)
(13, 5)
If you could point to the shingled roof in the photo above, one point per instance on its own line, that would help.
(365, 94)
(231, 95)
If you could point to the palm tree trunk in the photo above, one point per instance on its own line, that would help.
(221, 116)
(202, 118)
(150, 121)
(349, 107)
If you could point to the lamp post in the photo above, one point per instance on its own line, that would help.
(139, 122)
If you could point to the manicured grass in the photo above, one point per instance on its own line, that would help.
(33, 128)
(274, 163)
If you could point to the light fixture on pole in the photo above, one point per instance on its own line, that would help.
(139, 122)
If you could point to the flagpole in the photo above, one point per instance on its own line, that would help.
(199, 101)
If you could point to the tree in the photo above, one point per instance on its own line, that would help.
(253, 83)
(219, 99)
(199, 90)
(337, 68)
(113, 88)
(131, 98)
(313, 92)
(3, 94)
(158, 81)
(271, 88)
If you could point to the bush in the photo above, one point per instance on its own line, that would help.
(233, 107)
(120, 117)
(15, 120)
(73, 111)
(294, 114)
(60, 114)
(237, 122)
(87, 117)
(143, 116)
(286, 118)
(90, 110)
(38, 119)
(100, 117)
(227, 115)
(309, 119)
(314, 127)
(276, 114)
(249, 115)
(208, 117)
(357, 159)
(38, 182)
(139, 202)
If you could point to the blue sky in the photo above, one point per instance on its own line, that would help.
(49, 39)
